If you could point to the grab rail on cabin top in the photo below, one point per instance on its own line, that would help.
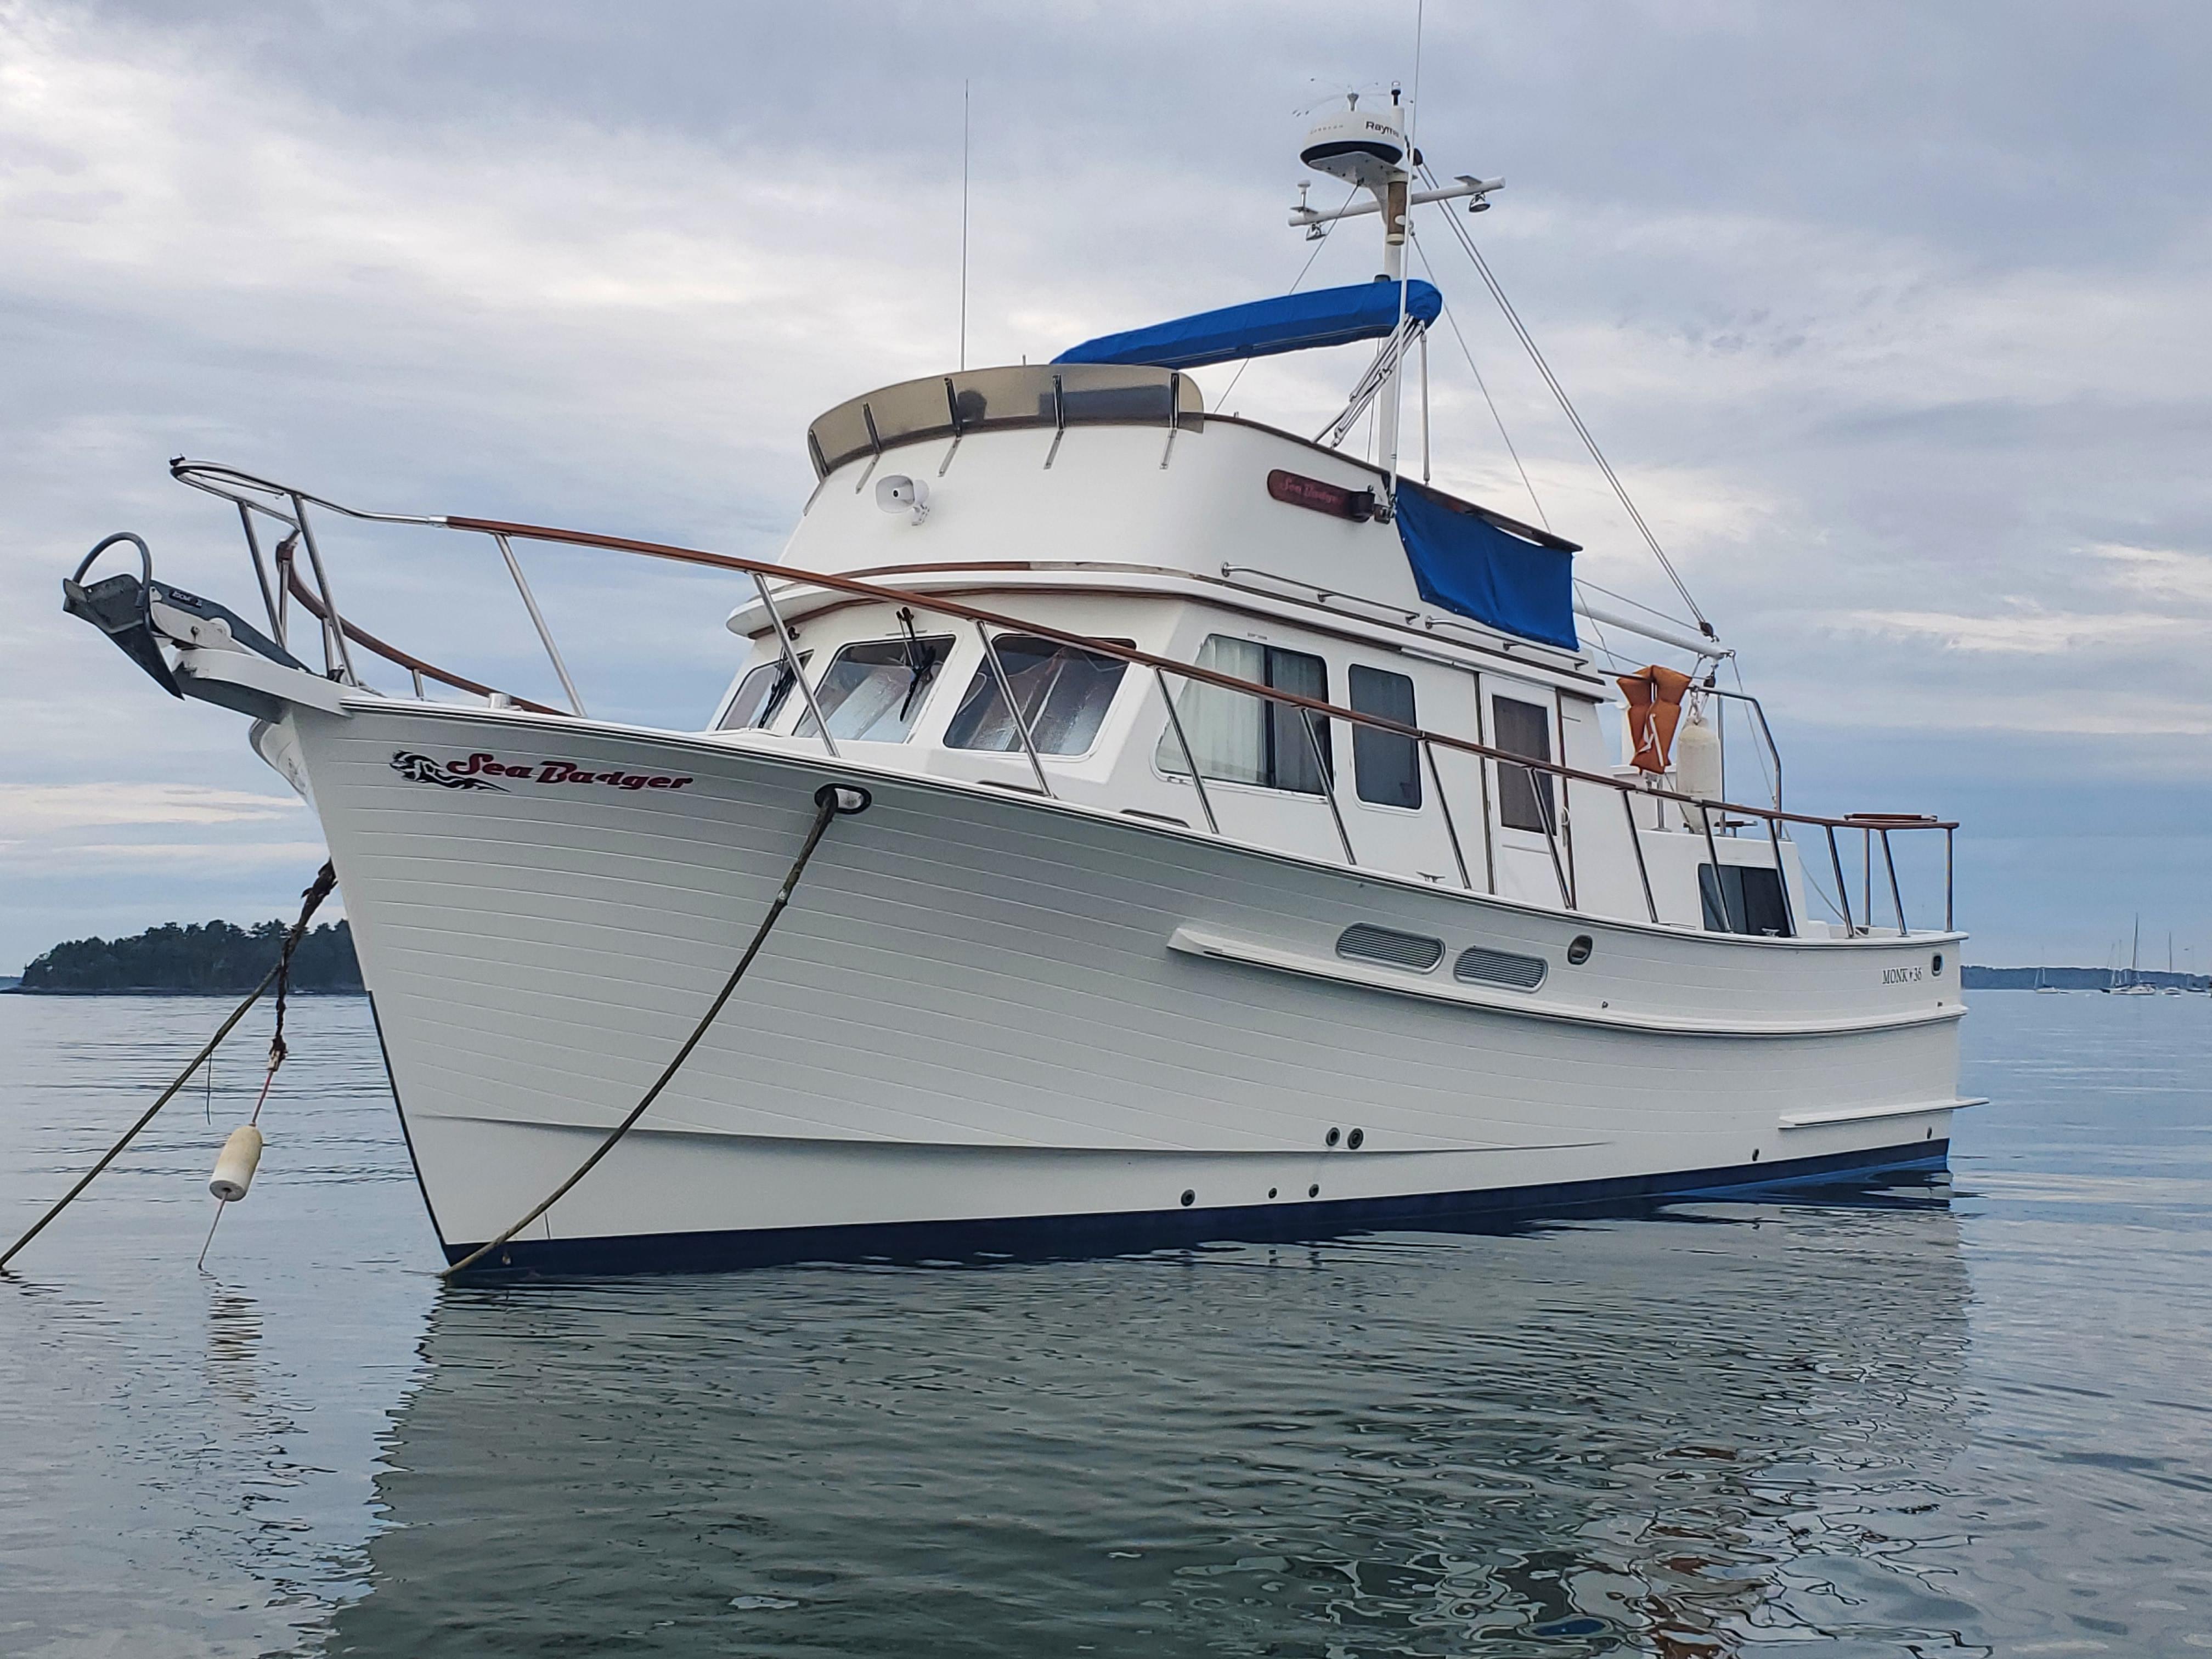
(245, 491)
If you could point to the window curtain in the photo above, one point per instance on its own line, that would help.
(1227, 730)
(1306, 676)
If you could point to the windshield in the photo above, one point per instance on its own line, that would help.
(874, 692)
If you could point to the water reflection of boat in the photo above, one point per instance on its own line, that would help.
(1629, 1432)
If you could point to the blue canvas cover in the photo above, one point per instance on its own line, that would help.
(1464, 562)
(1293, 322)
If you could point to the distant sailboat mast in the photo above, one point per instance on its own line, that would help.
(2135, 986)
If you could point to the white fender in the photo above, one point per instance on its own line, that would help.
(234, 1170)
(1698, 758)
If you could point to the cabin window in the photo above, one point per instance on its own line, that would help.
(1062, 691)
(1238, 738)
(1743, 898)
(1385, 768)
(1524, 796)
(761, 696)
(874, 692)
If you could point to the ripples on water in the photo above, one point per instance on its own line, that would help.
(1914, 1423)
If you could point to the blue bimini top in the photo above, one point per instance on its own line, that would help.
(1516, 579)
(1293, 322)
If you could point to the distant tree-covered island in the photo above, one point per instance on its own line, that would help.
(212, 956)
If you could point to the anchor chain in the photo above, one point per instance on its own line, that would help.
(831, 801)
(317, 891)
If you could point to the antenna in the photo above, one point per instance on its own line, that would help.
(1401, 206)
(963, 224)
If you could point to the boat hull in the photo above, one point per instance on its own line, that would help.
(988, 1022)
(1046, 1236)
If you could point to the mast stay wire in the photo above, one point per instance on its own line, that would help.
(1633, 604)
(1757, 749)
(1566, 405)
(1534, 500)
(1405, 232)
(1506, 437)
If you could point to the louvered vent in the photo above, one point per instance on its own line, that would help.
(1477, 966)
(1395, 950)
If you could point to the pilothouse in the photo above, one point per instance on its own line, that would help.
(1124, 823)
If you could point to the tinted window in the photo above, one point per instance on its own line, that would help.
(1062, 690)
(1385, 768)
(1239, 738)
(875, 691)
(760, 695)
(1743, 898)
(1524, 797)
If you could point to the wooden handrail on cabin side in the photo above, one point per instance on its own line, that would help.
(1131, 654)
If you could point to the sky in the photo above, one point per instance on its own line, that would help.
(1893, 318)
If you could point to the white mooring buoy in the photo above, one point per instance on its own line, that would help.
(234, 1170)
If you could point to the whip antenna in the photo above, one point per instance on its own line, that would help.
(963, 224)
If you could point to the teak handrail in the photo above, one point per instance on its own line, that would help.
(244, 490)
(408, 660)
(1130, 654)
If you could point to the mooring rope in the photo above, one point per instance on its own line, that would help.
(831, 801)
(317, 891)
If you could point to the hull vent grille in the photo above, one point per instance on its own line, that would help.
(1477, 966)
(1367, 943)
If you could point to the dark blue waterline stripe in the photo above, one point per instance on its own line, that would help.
(1044, 1237)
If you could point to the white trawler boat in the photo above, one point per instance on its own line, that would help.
(1238, 852)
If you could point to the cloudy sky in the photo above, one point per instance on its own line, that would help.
(1894, 318)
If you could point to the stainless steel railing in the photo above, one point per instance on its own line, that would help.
(289, 508)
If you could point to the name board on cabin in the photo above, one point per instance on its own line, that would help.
(1299, 490)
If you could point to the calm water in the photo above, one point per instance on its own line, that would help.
(1978, 1421)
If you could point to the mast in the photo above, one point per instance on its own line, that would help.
(1372, 150)
(1395, 215)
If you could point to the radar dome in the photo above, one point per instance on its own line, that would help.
(1362, 147)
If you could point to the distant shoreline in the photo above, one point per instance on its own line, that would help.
(15, 988)
(212, 959)
(1974, 977)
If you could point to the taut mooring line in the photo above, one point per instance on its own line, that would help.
(830, 800)
(318, 891)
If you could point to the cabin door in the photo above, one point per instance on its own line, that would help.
(1529, 832)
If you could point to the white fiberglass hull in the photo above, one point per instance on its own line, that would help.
(989, 1022)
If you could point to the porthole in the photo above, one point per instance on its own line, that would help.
(1189, 1197)
(1332, 1137)
(1579, 951)
(1936, 966)
(1355, 1138)
(1313, 1191)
